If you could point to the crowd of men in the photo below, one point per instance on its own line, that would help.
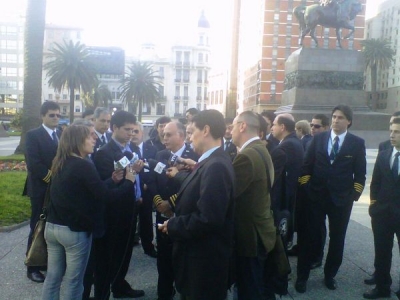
(228, 194)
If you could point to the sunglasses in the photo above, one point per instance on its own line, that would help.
(54, 115)
(316, 125)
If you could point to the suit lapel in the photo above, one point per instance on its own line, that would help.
(192, 175)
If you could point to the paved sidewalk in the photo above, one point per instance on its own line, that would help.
(357, 263)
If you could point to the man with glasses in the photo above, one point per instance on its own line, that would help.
(319, 123)
(41, 148)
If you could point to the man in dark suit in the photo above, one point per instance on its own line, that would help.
(333, 176)
(101, 121)
(269, 117)
(41, 148)
(382, 147)
(385, 211)
(287, 158)
(164, 195)
(228, 146)
(145, 207)
(202, 230)
(156, 135)
(255, 232)
(114, 250)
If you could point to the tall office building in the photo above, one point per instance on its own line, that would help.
(268, 33)
(385, 25)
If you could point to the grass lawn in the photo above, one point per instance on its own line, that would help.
(13, 157)
(14, 208)
(14, 133)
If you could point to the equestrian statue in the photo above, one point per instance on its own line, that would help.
(329, 13)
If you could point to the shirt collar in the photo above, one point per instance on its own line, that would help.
(248, 142)
(341, 136)
(99, 134)
(207, 153)
(394, 152)
(121, 147)
(180, 151)
(49, 130)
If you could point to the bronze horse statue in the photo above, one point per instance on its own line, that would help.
(334, 14)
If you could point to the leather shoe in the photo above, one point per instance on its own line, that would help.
(370, 281)
(330, 283)
(301, 286)
(151, 253)
(316, 264)
(129, 294)
(375, 293)
(36, 276)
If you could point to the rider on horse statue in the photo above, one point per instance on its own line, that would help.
(335, 5)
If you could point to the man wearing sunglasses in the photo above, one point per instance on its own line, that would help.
(41, 148)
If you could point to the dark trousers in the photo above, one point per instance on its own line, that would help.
(384, 227)
(88, 278)
(36, 210)
(338, 217)
(146, 223)
(165, 285)
(113, 254)
(250, 275)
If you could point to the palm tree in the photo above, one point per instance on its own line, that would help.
(378, 54)
(70, 68)
(33, 59)
(140, 86)
(101, 96)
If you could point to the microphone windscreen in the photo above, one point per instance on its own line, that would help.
(128, 155)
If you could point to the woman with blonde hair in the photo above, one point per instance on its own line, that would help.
(77, 199)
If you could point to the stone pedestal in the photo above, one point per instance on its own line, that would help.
(316, 80)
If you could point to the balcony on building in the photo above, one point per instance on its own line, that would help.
(178, 79)
(199, 80)
(185, 97)
(178, 63)
(198, 98)
(186, 64)
(186, 80)
(177, 97)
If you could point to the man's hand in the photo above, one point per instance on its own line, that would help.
(171, 172)
(138, 166)
(189, 163)
(164, 208)
(163, 227)
(117, 176)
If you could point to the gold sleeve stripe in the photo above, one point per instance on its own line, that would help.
(173, 199)
(304, 179)
(47, 177)
(157, 200)
(356, 184)
(358, 187)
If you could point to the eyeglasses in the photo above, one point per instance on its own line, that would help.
(136, 131)
(54, 115)
(317, 126)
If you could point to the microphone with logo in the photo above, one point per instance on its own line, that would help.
(122, 160)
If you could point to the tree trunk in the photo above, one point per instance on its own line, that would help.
(71, 104)
(374, 102)
(33, 61)
(140, 104)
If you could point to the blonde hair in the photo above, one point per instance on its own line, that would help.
(71, 144)
(303, 126)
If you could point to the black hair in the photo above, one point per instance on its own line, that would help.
(48, 105)
(193, 111)
(346, 110)
(269, 114)
(324, 119)
(262, 131)
(162, 120)
(228, 121)
(396, 121)
(289, 124)
(87, 112)
(396, 114)
(121, 117)
(214, 119)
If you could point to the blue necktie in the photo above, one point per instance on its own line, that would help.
(395, 166)
(335, 149)
(55, 138)
(103, 140)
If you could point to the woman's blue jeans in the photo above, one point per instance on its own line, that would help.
(68, 253)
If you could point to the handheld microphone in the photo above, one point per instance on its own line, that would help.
(156, 166)
(175, 160)
(122, 160)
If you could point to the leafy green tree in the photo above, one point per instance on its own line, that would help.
(377, 54)
(16, 122)
(140, 86)
(33, 59)
(69, 67)
(101, 96)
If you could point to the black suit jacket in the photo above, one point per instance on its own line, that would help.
(344, 179)
(98, 145)
(272, 142)
(164, 186)
(202, 230)
(231, 150)
(305, 141)
(384, 146)
(287, 158)
(40, 152)
(119, 213)
(385, 189)
(149, 152)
